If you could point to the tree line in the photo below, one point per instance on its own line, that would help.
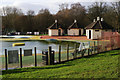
(14, 20)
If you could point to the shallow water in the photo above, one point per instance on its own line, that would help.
(40, 45)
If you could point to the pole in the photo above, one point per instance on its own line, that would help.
(59, 53)
(6, 65)
(88, 52)
(94, 47)
(97, 46)
(21, 57)
(49, 55)
(68, 52)
(75, 52)
(35, 57)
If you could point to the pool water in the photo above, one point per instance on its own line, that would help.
(40, 45)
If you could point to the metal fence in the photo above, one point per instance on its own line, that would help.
(24, 57)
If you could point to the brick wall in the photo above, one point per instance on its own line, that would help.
(114, 37)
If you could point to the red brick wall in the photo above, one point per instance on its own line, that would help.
(119, 40)
(114, 37)
(109, 34)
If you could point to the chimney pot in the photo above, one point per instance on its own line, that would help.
(98, 18)
(93, 20)
(75, 21)
(101, 19)
(55, 21)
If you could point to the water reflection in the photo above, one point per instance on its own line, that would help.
(40, 45)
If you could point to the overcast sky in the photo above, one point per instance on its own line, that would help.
(52, 5)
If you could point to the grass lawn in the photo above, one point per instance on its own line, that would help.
(0, 76)
(104, 65)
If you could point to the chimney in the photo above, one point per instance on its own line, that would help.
(75, 21)
(55, 21)
(98, 18)
(93, 20)
(101, 19)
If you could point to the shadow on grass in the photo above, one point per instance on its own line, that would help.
(115, 54)
(103, 54)
(12, 71)
(21, 70)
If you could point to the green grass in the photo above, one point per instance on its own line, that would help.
(104, 65)
(0, 76)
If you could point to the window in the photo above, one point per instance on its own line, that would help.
(96, 30)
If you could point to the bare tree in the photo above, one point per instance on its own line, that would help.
(67, 16)
(8, 18)
(116, 7)
(30, 13)
(78, 12)
(63, 6)
(97, 9)
(43, 20)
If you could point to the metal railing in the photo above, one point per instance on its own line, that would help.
(30, 57)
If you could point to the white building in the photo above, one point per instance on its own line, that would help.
(96, 28)
(55, 29)
(74, 30)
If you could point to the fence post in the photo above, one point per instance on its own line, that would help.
(75, 54)
(49, 54)
(52, 58)
(6, 65)
(116, 43)
(35, 56)
(59, 53)
(94, 47)
(21, 57)
(97, 46)
(105, 45)
(91, 48)
(88, 52)
(67, 51)
(112, 43)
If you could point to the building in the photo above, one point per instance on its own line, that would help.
(55, 29)
(96, 28)
(74, 30)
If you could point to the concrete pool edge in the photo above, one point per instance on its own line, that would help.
(44, 37)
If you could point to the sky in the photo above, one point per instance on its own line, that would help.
(52, 5)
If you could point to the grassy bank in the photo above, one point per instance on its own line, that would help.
(104, 65)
